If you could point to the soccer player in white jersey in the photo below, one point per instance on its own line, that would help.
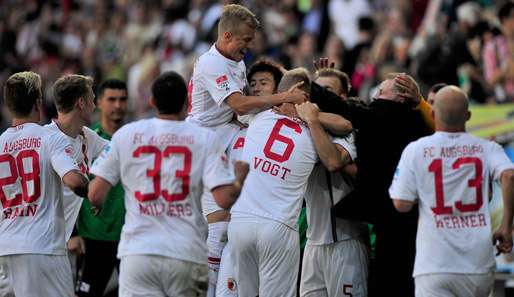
(163, 164)
(33, 162)
(217, 94)
(74, 101)
(335, 260)
(448, 174)
(263, 229)
(264, 77)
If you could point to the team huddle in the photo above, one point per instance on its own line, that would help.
(214, 185)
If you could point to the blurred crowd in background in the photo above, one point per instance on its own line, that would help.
(452, 41)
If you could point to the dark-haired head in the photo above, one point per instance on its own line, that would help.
(169, 93)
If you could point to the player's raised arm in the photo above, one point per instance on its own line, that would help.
(252, 104)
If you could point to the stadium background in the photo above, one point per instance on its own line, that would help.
(135, 40)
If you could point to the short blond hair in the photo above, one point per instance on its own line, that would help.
(232, 17)
(22, 90)
(69, 88)
(294, 76)
(343, 78)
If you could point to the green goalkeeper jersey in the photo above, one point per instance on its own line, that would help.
(106, 226)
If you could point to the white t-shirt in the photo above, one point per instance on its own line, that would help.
(33, 160)
(215, 77)
(448, 174)
(317, 200)
(85, 148)
(281, 155)
(163, 166)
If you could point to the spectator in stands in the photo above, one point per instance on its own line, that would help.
(433, 90)
(498, 56)
(101, 232)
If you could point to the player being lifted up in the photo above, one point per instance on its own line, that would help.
(263, 229)
(34, 161)
(163, 164)
(218, 93)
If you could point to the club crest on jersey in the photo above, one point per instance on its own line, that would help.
(69, 150)
(222, 82)
(231, 284)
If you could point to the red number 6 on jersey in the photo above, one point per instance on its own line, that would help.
(155, 172)
(276, 136)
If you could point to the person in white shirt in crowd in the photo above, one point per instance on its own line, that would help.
(74, 101)
(164, 163)
(448, 174)
(335, 260)
(34, 163)
(217, 89)
(263, 227)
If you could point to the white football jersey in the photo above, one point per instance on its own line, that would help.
(215, 77)
(228, 136)
(448, 174)
(33, 160)
(281, 155)
(85, 148)
(163, 166)
(317, 200)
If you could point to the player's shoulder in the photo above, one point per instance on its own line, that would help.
(91, 135)
(209, 59)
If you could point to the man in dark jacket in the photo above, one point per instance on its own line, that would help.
(384, 128)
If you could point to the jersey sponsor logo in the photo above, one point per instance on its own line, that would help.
(222, 82)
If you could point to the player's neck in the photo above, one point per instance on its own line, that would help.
(221, 50)
(171, 117)
(109, 126)
(448, 129)
(69, 124)
(20, 121)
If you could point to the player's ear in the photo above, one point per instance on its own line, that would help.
(152, 102)
(432, 114)
(468, 116)
(81, 103)
(227, 35)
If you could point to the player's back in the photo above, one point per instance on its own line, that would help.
(215, 77)
(281, 155)
(32, 220)
(162, 165)
(452, 174)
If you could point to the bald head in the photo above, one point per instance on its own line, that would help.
(451, 109)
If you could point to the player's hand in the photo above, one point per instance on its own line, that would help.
(241, 171)
(323, 63)
(76, 245)
(502, 238)
(408, 89)
(308, 112)
(286, 109)
(295, 95)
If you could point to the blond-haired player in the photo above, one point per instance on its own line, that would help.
(218, 94)
(33, 163)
